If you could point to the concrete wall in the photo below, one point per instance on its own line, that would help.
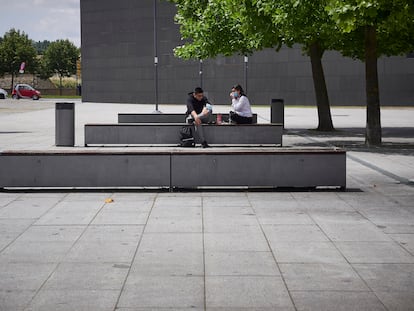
(118, 64)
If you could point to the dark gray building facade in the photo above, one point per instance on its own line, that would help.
(119, 47)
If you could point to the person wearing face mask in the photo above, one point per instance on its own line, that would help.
(242, 113)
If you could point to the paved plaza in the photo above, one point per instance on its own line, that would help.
(213, 249)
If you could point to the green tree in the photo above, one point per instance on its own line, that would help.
(16, 48)
(60, 58)
(374, 28)
(41, 46)
(228, 26)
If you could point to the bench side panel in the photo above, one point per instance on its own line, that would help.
(255, 170)
(85, 170)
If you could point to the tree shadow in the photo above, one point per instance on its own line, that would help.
(396, 140)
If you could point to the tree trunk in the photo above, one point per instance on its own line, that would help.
(373, 134)
(321, 92)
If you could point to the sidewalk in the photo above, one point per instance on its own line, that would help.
(295, 250)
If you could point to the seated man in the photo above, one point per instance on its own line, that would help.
(198, 110)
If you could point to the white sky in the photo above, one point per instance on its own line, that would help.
(42, 19)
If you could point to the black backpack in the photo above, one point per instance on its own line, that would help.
(186, 136)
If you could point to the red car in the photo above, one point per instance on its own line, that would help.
(25, 91)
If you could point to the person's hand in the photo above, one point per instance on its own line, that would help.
(197, 121)
(231, 95)
(205, 111)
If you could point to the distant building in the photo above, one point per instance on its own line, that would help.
(118, 64)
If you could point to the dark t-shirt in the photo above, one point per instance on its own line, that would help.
(195, 105)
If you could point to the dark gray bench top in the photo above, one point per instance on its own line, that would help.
(168, 134)
(165, 117)
(171, 151)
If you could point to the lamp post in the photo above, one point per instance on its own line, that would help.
(246, 65)
(155, 58)
(200, 72)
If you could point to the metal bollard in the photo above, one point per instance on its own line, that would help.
(277, 111)
(65, 124)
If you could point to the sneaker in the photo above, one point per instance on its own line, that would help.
(204, 144)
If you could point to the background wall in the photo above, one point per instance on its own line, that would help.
(118, 64)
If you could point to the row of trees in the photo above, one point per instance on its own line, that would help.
(59, 57)
(361, 29)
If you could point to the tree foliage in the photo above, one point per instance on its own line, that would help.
(373, 28)
(16, 48)
(60, 58)
(41, 46)
(226, 27)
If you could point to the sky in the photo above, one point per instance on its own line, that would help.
(42, 19)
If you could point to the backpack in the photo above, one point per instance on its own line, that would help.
(186, 136)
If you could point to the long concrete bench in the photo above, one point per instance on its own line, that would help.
(168, 134)
(165, 117)
(175, 168)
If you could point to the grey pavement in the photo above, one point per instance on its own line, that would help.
(214, 250)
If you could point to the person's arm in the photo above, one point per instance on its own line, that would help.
(190, 108)
(242, 105)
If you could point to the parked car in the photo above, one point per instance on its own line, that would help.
(25, 91)
(3, 94)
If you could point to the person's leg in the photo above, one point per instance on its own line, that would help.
(205, 118)
(240, 120)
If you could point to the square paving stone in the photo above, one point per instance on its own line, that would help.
(224, 202)
(79, 300)
(285, 218)
(247, 292)
(27, 208)
(105, 217)
(321, 277)
(388, 277)
(4, 200)
(35, 252)
(277, 206)
(228, 212)
(180, 211)
(306, 252)
(241, 264)
(168, 263)
(247, 224)
(294, 233)
(396, 216)
(15, 300)
(88, 276)
(70, 213)
(360, 232)
(177, 201)
(374, 252)
(162, 292)
(405, 240)
(235, 242)
(177, 242)
(174, 224)
(115, 233)
(398, 301)
(101, 252)
(24, 276)
(339, 301)
(52, 233)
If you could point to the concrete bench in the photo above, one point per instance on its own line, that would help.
(168, 134)
(170, 168)
(165, 117)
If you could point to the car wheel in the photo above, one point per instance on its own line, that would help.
(35, 97)
(15, 96)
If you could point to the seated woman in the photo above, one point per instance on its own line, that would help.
(242, 113)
